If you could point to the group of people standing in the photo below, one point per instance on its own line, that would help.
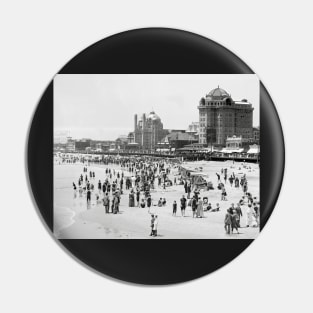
(196, 204)
(112, 186)
(234, 214)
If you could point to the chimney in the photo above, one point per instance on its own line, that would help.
(135, 120)
(143, 129)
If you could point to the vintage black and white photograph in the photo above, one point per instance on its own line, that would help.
(156, 156)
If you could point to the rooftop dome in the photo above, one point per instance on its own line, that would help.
(218, 93)
(153, 116)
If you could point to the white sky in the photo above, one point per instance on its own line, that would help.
(103, 106)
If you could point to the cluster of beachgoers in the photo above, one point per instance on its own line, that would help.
(115, 185)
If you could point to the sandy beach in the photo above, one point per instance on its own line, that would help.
(73, 220)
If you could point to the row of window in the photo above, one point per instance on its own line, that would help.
(216, 103)
(225, 115)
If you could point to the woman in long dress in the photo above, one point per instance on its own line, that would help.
(155, 226)
(249, 215)
(131, 199)
(115, 207)
(227, 221)
(200, 208)
(254, 222)
(234, 221)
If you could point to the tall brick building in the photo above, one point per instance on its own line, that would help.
(221, 117)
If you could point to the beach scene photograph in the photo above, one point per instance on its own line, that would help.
(156, 156)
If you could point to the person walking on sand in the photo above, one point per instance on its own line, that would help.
(115, 205)
(138, 197)
(224, 194)
(106, 203)
(75, 190)
(200, 208)
(131, 202)
(193, 206)
(174, 208)
(183, 205)
(80, 190)
(104, 188)
(185, 186)
(188, 190)
(227, 222)
(249, 215)
(218, 177)
(254, 222)
(155, 226)
(257, 213)
(234, 220)
(239, 213)
(236, 182)
(152, 224)
(88, 196)
(149, 200)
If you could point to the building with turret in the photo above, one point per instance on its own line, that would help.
(221, 117)
(148, 131)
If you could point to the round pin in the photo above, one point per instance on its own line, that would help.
(155, 156)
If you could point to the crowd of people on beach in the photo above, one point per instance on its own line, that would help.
(112, 186)
(140, 176)
(234, 214)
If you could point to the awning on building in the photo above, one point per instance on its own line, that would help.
(253, 151)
